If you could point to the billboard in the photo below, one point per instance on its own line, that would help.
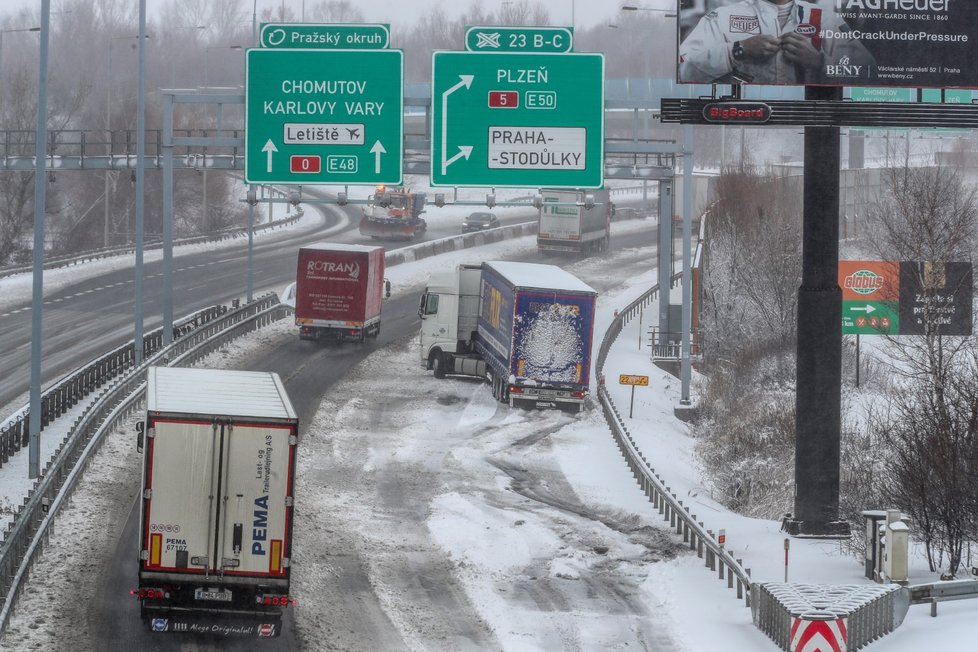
(906, 297)
(911, 43)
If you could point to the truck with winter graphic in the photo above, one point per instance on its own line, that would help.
(524, 327)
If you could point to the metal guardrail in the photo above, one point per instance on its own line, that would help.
(67, 392)
(717, 558)
(942, 592)
(24, 539)
(107, 252)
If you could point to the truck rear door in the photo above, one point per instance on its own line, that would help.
(219, 498)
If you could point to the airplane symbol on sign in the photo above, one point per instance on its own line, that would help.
(354, 133)
(487, 40)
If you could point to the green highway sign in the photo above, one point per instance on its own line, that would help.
(870, 317)
(325, 36)
(872, 94)
(517, 120)
(323, 116)
(519, 39)
(947, 95)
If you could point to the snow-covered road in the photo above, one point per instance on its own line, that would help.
(429, 517)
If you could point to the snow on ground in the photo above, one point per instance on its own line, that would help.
(692, 608)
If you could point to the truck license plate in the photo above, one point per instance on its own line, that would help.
(219, 596)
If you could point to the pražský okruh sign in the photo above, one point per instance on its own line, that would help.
(911, 43)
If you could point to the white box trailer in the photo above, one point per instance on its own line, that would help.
(217, 498)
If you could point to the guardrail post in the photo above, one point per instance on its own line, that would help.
(740, 584)
(747, 594)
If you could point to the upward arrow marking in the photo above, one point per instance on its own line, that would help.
(377, 150)
(269, 148)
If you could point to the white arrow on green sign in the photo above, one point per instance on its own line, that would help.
(325, 36)
(517, 120)
(324, 116)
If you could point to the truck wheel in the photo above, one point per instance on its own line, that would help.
(438, 365)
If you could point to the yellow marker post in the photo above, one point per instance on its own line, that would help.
(633, 380)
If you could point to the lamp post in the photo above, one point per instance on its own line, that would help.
(669, 13)
(11, 31)
(173, 59)
(108, 130)
(205, 220)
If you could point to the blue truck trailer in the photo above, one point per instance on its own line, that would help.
(526, 328)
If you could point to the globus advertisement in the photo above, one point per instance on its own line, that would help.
(914, 43)
(906, 297)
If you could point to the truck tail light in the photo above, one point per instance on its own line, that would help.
(515, 390)
(580, 395)
(270, 600)
(150, 593)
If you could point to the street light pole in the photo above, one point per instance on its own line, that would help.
(11, 31)
(140, 182)
(108, 129)
(205, 219)
(37, 296)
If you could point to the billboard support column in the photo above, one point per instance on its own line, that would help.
(818, 397)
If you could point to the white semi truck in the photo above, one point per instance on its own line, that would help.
(525, 327)
(575, 221)
(215, 542)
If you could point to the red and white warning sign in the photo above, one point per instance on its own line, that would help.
(818, 634)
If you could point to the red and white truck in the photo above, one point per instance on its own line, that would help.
(216, 508)
(339, 291)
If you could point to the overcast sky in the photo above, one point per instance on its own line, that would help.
(586, 13)
(583, 13)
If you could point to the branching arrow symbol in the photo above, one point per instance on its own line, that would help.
(464, 150)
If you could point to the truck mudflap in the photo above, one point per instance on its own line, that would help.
(569, 400)
(177, 622)
(340, 333)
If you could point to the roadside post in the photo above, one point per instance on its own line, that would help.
(633, 380)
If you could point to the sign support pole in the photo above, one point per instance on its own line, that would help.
(818, 397)
(631, 404)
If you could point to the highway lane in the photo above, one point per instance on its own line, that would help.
(309, 370)
(88, 318)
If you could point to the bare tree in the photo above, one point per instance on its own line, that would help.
(335, 11)
(930, 428)
(931, 469)
(751, 284)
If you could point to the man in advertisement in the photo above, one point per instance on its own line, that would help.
(778, 42)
